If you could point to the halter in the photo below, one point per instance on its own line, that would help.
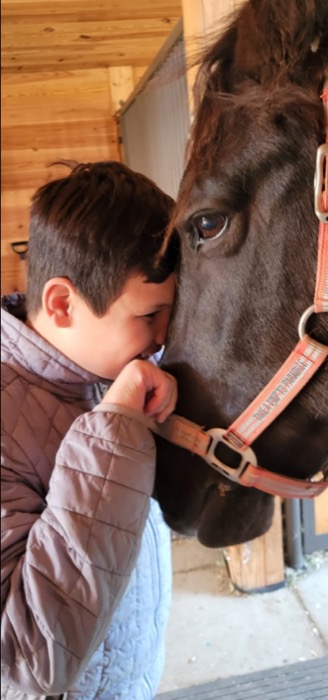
(217, 445)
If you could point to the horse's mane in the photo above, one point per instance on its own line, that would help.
(268, 43)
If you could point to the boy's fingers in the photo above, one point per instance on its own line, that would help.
(146, 388)
(163, 401)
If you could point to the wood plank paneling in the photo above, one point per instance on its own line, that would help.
(39, 36)
(21, 136)
(64, 116)
(56, 91)
(116, 52)
(60, 98)
(86, 11)
(31, 31)
(13, 275)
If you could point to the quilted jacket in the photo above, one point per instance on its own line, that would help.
(85, 571)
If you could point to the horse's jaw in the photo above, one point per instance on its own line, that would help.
(189, 493)
(241, 515)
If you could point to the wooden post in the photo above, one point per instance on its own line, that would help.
(256, 565)
(121, 84)
(200, 19)
(321, 514)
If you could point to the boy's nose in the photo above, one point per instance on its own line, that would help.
(160, 333)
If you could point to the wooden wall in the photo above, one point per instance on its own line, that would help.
(48, 117)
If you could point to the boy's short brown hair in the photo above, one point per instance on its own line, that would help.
(97, 226)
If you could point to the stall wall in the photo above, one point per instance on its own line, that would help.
(48, 117)
(155, 123)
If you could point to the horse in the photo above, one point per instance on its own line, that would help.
(249, 246)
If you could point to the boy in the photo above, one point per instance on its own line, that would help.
(77, 481)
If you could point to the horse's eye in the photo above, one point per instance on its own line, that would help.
(209, 225)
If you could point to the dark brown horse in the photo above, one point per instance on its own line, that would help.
(249, 240)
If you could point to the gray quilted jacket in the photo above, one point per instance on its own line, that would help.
(85, 575)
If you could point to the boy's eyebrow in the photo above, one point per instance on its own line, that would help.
(163, 303)
(156, 307)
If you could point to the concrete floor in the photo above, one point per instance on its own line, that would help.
(216, 632)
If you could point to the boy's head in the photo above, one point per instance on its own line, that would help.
(98, 259)
(97, 226)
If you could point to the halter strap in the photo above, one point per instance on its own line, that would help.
(321, 208)
(297, 370)
(206, 444)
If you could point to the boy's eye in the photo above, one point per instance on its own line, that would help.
(152, 315)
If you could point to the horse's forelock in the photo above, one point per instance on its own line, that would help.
(224, 121)
(268, 41)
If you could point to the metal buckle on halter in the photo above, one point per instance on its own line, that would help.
(239, 459)
(319, 177)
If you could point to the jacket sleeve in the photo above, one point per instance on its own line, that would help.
(66, 562)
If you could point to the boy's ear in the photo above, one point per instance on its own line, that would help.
(58, 301)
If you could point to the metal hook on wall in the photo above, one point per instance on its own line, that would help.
(20, 248)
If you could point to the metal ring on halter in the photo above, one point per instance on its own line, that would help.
(303, 321)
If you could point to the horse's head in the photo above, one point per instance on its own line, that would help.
(249, 240)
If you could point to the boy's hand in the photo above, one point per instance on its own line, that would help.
(145, 388)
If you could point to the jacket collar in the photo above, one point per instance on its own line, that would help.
(32, 355)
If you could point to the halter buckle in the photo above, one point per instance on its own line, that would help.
(319, 179)
(220, 450)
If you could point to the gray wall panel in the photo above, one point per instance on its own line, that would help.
(155, 125)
